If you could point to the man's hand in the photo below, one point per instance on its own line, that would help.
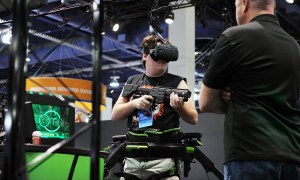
(176, 102)
(144, 102)
(225, 94)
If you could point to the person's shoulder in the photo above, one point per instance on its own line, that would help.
(243, 30)
(173, 76)
(236, 30)
(134, 78)
(231, 30)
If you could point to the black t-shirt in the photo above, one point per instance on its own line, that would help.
(260, 62)
(164, 116)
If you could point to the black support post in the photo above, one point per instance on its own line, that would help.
(14, 154)
(96, 91)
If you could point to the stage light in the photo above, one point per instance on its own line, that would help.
(6, 38)
(169, 18)
(290, 1)
(116, 27)
(114, 82)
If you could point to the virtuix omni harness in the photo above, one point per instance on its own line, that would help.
(169, 143)
(183, 148)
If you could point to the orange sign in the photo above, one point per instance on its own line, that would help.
(81, 89)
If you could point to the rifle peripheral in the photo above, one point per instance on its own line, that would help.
(160, 94)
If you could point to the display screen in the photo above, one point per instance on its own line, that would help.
(54, 118)
(52, 121)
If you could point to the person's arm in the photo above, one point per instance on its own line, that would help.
(186, 110)
(210, 100)
(123, 107)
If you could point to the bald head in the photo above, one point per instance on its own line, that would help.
(246, 10)
(263, 4)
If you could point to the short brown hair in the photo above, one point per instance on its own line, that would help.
(150, 42)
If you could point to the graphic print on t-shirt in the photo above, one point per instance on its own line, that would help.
(157, 111)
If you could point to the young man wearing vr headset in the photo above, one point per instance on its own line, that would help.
(163, 118)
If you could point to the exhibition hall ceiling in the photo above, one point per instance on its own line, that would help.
(60, 35)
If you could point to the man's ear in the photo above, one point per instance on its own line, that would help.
(145, 56)
(246, 5)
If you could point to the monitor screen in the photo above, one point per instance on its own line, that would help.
(52, 121)
(52, 117)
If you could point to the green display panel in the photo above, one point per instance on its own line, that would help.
(52, 121)
(54, 118)
(59, 166)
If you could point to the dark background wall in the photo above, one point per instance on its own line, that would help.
(210, 125)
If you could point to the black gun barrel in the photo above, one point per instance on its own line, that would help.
(185, 93)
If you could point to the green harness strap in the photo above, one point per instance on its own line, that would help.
(147, 133)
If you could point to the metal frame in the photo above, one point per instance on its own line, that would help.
(14, 153)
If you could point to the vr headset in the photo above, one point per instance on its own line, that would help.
(166, 52)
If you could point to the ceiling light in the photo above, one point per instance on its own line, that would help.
(114, 82)
(6, 38)
(290, 1)
(116, 27)
(169, 18)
